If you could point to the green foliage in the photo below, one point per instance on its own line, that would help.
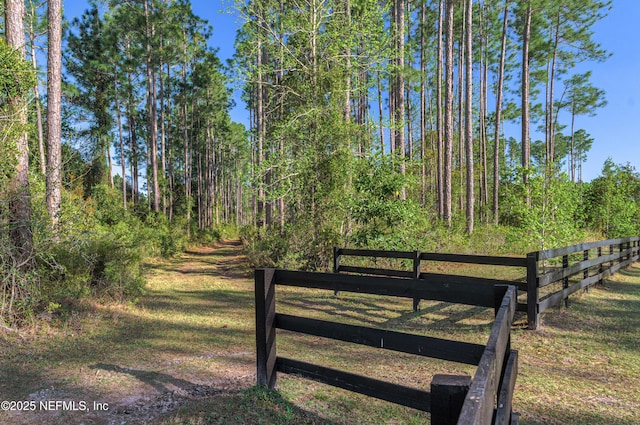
(16, 75)
(90, 252)
(384, 220)
(95, 250)
(164, 238)
(108, 204)
(614, 201)
(554, 217)
(293, 247)
(16, 79)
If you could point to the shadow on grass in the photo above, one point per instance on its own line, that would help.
(204, 333)
(248, 406)
(609, 314)
(161, 382)
(204, 303)
(630, 271)
(227, 264)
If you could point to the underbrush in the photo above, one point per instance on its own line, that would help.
(97, 249)
(295, 247)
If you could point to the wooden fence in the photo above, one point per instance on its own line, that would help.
(589, 263)
(417, 258)
(576, 267)
(485, 399)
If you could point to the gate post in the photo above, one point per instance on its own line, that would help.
(265, 330)
(532, 290)
(447, 397)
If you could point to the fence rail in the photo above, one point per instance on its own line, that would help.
(417, 257)
(576, 267)
(491, 382)
(588, 260)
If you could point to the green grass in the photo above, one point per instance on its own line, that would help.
(582, 367)
(186, 354)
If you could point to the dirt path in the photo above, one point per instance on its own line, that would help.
(189, 338)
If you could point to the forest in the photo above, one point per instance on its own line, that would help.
(376, 124)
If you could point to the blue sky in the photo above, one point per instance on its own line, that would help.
(615, 128)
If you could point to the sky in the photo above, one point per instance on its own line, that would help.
(615, 128)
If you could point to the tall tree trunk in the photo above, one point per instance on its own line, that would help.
(199, 190)
(133, 136)
(423, 105)
(211, 175)
(281, 204)
(407, 96)
(36, 89)
(151, 108)
(163, 154)
(572, 147)
(399, 101)
(268, 177)
(19, 201)
(380, 111)
(439, 111)
(260, 137)
(460, 126)
(54, 110)
(468, 129)
(121, 140)
(347, 55)
(483, 125)
(448, 113)
(552, 125)
(393, 67)
(107, 154)
(496, 134)
(526, 147)
(185, 135)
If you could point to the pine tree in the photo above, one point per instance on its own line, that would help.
(469, 114)
(19, 196)
(54, 110)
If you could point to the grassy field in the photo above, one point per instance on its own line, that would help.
(185, 354)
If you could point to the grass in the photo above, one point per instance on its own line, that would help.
(185, 354)
(582, 366)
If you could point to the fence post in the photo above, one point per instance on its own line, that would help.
(416, 275)
(447, 397)
(499, 292)
(585, 273)
(265, 331)
(565, 281)
(612, 262)
(601, 267)
(336, 264)
(532, 290)
(620, 249)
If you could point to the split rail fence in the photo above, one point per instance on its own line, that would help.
(484, 399)
(575, 267)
